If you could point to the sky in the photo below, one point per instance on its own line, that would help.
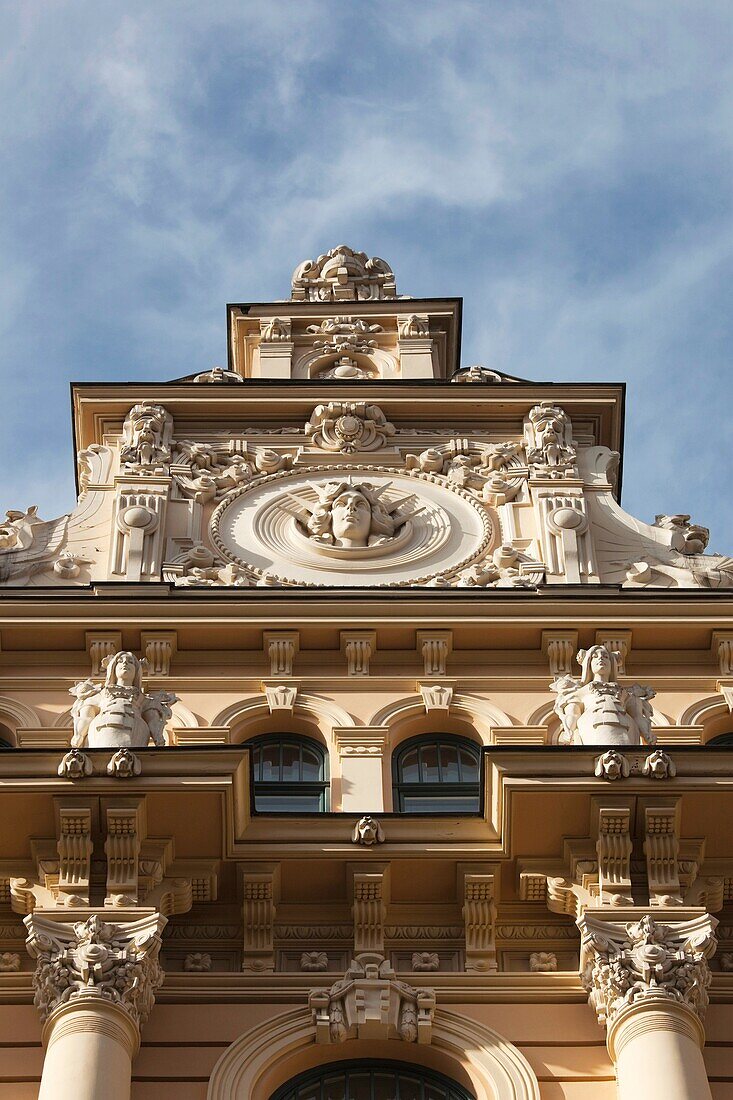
(564, 166)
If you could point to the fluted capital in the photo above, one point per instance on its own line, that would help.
(95, 960)
(645, 963)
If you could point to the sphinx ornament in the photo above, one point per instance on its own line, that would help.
(119, 714)
(596, 710)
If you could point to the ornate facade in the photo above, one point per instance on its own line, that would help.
(356, 741)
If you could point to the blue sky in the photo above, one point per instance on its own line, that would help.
(566, 167)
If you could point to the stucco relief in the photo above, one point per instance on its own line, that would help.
(147, 435)
(596, 709)
(341, 274)
(119, 714)
(352, 524)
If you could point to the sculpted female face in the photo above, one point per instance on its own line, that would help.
(600, 664)
(351, 518)
(125, 670)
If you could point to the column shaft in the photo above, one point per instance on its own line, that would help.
(658, 1054)
(90, 1046)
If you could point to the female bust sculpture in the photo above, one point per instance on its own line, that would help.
(596, 709)
(119, 714)
(351, 515)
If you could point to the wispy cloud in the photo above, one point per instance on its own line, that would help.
(565, 167)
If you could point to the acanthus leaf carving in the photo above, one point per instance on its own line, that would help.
(117, 963)
(624, 964)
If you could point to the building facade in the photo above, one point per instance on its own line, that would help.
(357, 745)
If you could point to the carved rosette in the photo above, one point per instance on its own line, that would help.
(646, 963)
(93, 959)
(369, 1003)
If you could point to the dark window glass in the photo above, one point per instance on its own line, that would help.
(437, 774)
(371, 1081)
(289, 775)
(724, 739)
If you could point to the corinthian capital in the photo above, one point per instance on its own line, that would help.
(629, 964)
(94, 959)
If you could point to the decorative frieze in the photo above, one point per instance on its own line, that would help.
(96, 959)
(370, 1003)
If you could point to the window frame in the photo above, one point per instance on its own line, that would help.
(318, 1074)
(435, 789)
(320, 788)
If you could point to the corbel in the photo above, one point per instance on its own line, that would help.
(478, 886)
(435, 646)
(358, 646)
(612, 821)
(370, 892)
(437, 698)
(661, 849)
(159, 648)
(280, 697)
(261, 895)
(101, 644)
(560, 647)
(617, 641)
(126, 825)
(722, 650)
(281, 647)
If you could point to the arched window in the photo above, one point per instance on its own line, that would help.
(437, 774)
(371, 1081)
(723, 740)
(290, 774)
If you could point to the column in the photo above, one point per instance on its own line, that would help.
(95, 986)
(648, 984)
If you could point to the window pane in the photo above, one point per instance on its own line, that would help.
(439, 804)
(429, 764)
(312, 1092)
(291, 762)
(410, 1088)
(285, 802)
(360, 1086)
(312, 764)
(269, 763)
(449, 763)
(385, 1087)
(469, 766)
(334, 1088)
(408, 769)
(435, 1092)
